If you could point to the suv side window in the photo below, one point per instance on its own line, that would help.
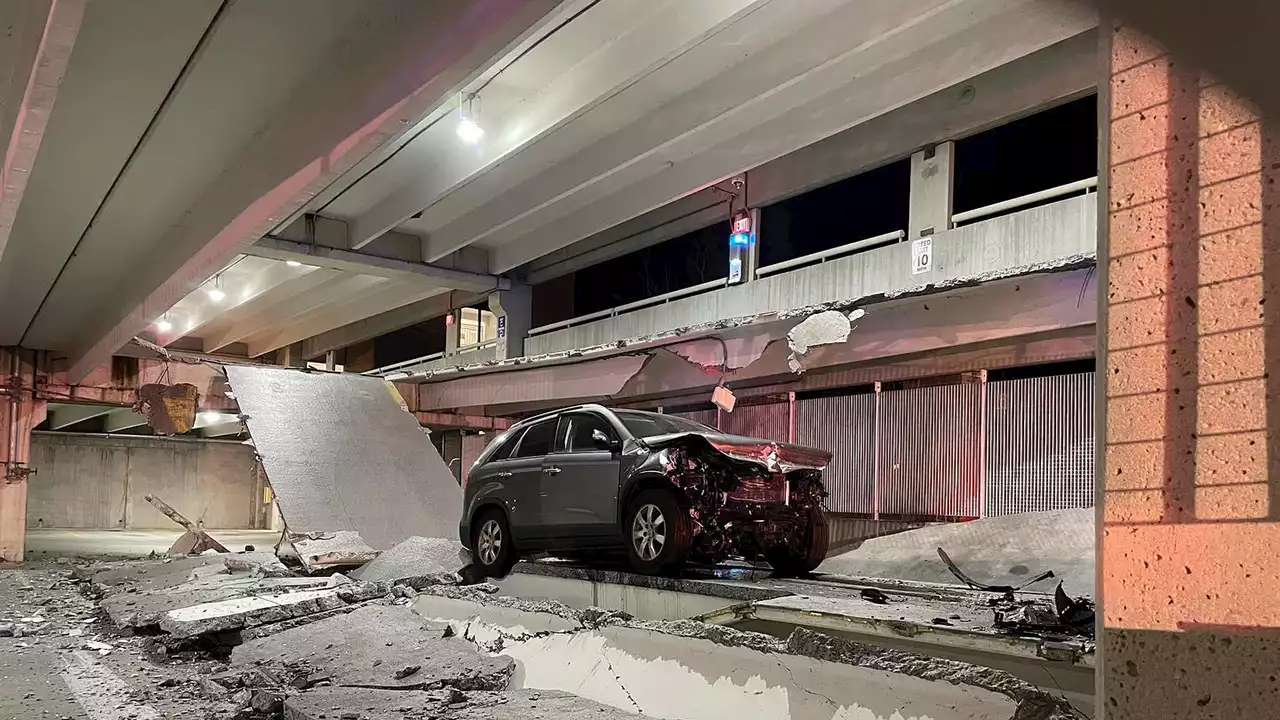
(503, 451)
(576, 429)
(538, 439)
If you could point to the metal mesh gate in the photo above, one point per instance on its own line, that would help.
(844, 425)
(771, 421)
(1040, 444)
(929, 449)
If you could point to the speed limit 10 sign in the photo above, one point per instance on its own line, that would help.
(921, 256)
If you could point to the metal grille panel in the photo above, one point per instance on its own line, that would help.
(843, 425)
(706, 417)
(472, 446)
(930, 459)
(771, 421)
(1040, 444)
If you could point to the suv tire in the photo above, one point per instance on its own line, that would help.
(658, 533)
(786, 562)
(492, 552)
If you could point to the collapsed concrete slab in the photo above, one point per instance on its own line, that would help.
(416, 557)
(365, 704)
(1010, 549)
(327, 551)
(342, 453)
(378, 646)
(685, 669)
(247, 612)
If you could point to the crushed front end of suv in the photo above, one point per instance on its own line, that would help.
(665, 490)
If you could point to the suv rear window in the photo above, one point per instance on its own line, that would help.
(538, 439)
(646, 424)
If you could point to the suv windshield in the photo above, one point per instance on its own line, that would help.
(646, 424)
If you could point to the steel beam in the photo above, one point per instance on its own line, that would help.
(122, 419)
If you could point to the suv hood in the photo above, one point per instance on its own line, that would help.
(772, 456)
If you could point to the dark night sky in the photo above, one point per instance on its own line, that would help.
(1051, 148)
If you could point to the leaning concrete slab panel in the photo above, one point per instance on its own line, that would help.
(341, 453)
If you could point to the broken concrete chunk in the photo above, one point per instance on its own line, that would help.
(416, 557)
(261, 564)
(372, 647)
(829, 327)
(266, 701)
(246, 612)
(320, 551)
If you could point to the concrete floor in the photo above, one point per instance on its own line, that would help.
(130, 543)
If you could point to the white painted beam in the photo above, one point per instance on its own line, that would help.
(611, 46)
(381, 298)
(672, 220)
(389, 321)
(123, 419)
(1060, 72)
(370, 264)
(409, 58)
(951, 45)
(34, 55)
(222, 429)
(316, 289)
(64, 416)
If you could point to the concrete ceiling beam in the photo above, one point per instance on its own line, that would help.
(387, 295)
(389, 321)
(949, 46)
(405, 59)
(35, 54)
(371, 264)
(687, 214)
(317, 289)
(614, 45)
(64, 416)
(1060, 72)
(123, 419)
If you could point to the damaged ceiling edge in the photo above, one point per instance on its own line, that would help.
(662, 339)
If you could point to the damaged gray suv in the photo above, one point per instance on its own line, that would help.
(665, 490)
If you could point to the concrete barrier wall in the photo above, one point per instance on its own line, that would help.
(89, 481)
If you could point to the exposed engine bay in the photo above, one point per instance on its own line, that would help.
(746, 499)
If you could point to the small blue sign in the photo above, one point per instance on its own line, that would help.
(502, 326)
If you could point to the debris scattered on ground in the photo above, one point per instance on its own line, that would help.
(989, 588)
(416, 557)
(194, 541)
(874, 595)
(325, 551)
(260, 564)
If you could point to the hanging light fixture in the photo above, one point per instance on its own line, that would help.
(469, 130)
(215, 292)
(163, 324)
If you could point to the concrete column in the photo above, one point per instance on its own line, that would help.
(514, 310)
(20, 411)
(291, 356)
(931, 190)
(1190, 489)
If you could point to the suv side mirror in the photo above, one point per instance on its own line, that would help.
(604, 442)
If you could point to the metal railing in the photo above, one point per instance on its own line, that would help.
(401, 365)
(835, 252)
(386, 369)
(1086, 185)
(637, 305)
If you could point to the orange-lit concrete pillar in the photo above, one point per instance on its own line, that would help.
(1191, 539)
(20, 411)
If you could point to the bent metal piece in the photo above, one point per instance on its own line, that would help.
(192, 542)
(989, 588)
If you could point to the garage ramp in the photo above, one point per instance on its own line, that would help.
(342, 454)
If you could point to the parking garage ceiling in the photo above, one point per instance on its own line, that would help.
(256, 174)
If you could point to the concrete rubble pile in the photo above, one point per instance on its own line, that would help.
(297, 646)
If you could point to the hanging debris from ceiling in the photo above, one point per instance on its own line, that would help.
(169, 409)
(829, 327)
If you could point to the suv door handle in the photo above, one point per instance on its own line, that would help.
(552, 470)
(503, 475)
